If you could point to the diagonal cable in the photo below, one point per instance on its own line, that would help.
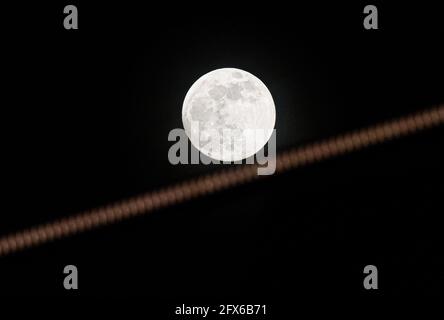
(224, 179)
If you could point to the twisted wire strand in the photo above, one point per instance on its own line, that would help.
(224, 179)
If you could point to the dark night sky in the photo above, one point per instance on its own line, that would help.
(88, 114)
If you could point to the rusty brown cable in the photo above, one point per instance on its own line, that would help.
(221, 180)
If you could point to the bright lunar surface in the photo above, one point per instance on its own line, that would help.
(228, 114)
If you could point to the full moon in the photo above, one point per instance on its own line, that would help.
(228, 114)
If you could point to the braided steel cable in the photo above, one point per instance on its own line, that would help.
(224, 179)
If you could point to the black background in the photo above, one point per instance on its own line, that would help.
(87, 113)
